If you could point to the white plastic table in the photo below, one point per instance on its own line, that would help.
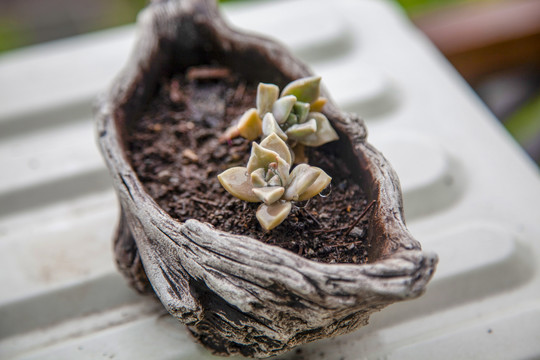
(470, 194)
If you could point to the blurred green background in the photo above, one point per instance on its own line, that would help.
(500, 59)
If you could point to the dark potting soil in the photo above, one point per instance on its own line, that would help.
(175, 151)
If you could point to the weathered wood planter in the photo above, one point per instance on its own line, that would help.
(236, 294)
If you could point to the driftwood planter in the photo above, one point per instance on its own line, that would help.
(236, 294)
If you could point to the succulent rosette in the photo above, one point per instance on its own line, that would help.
(268, 179)
(294, 115)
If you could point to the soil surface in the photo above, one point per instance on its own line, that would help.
(175, 151)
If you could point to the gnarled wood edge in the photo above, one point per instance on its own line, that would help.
(257, 299)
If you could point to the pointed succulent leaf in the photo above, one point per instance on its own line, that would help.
(305, 89)
(282, 108)
(260, 157)
(300, 131)
(230, 133)
(283, 169)
(275, 181)
(301, 109)
(267, 94)
(291, 120)
(300, 180)
(258, 178)
(250, 125)
(325, 132)
(270, 216)
(318, 185)
(269, 194)
(237, 182)
(270, 125)
(274, 143)
(269, 175)
(318, 104)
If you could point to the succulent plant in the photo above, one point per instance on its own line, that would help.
(294, 115)
(268, 179)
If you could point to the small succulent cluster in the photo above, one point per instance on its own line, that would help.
(294, 116)
(268, 179)
(291, 120)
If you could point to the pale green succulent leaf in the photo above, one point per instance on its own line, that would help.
(282, 108)
(324, 134)
(283, 168)
(301, 178)
(267, 94)
(275, 181)
(274, 143)
(269, 175)
(269, 194)
(270, 126)
(318, 185)
(237, 182)
(305, 90)
(301, 109)
(250, 125)
(260, 157)
(300, 131)
(291, 120)
(270, 216)
(258, 178)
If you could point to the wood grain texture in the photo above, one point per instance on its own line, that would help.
(236, 294)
